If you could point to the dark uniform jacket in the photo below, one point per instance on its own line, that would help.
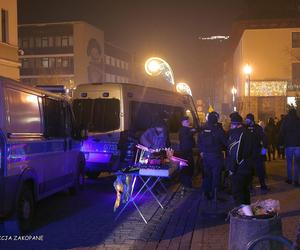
(241, 151)
(186, 139)
(212, 139)
(260, 138)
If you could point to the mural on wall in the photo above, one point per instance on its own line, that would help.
(95, 67)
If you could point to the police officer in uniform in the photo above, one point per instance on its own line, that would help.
(211, 142)
(261, 143)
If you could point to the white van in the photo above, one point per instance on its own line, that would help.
(40, 153)
(111, 112)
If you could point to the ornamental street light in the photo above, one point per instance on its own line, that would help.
(233, 92)
(183, 88)
(155, 66)
(248, 71)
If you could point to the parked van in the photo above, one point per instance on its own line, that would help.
(39, 149)
(115, 113)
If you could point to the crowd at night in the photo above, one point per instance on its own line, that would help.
(149, 124)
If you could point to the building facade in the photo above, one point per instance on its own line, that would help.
(9, 62)
(70, 53)
(272, 50)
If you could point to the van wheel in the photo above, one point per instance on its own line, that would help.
(25, 209)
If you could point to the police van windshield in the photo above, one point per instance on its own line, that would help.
(98, 115)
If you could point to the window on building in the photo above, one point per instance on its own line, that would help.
(70, 40)
(57, 41)
(4, 25)
(118, 63)
(295, 39)
(65, 62)
(38, 42)
(126, 65)
(31, 42)
(65, 41)
(50, 39)
(45, 62)
(58, 62)
(107, 60)
(38, 62)
(296, 73)
(45, 42)
(51, 62)
(25, 63)
(25, 43)
(112, 61)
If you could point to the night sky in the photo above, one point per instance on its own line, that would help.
(165, 28)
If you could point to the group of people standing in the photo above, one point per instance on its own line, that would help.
(241, 151)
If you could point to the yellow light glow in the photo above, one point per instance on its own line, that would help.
(183, 88)
(233, 90)
(155, 66)
(31, 98)
(247, 69)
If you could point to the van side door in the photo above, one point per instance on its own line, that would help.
(73, 146)
(55, 158)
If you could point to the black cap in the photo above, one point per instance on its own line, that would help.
(250, 116)
(212, 118)
(236, 118)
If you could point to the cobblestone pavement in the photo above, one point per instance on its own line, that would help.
(188, 221)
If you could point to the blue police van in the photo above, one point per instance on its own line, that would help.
(39, 149)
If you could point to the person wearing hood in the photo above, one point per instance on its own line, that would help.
(212, 142)
(155, 137)
(261, 145)
(240, 159)
(289, 136)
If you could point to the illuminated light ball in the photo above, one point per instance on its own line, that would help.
(183, 88)
(247, 69)
(153, 67)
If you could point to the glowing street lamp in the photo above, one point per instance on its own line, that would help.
(155, 66)
(233, 92)
(183, 88)
(248, 71)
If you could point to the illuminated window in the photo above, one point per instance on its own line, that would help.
(295, 39)
(45, 62)
(65, 62)
(295, 73)
(65, 41)
(4, 25)
(45, 42)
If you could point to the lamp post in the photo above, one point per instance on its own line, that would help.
(247, 71)
(155, 66)
(233, 92)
